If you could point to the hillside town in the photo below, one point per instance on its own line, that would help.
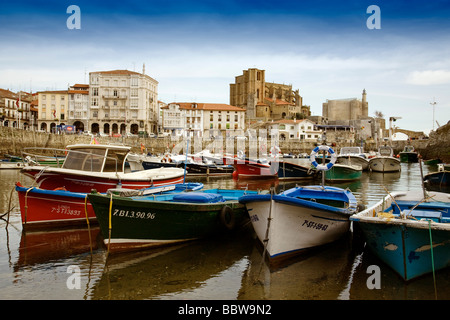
(125, 103)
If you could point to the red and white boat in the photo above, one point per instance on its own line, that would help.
(99, 167)
(247, 168)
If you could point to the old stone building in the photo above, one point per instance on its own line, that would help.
(346, 109)
(264, 100)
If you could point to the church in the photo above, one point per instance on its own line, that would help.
(264, 100)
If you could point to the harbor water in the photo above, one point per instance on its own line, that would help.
(41, 265)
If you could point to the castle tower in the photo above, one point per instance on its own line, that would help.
(365, 105)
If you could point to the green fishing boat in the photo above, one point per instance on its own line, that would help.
(409, 154)
(130, 223)
(341, 172)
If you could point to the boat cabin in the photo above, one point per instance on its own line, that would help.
(345, 151)
(385, 151)
(96, 158)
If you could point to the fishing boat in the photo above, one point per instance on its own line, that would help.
(130, 223)
(408, 232)
(384, 161)
(353, 156)
(409, 154)
(207, 169)
(440, 178)
(289, 170)
(99, 167)
(8, 164)
(300, 218)
(249, 168)
(45, 209)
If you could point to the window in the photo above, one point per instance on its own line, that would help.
(116, 93)
(95, 92)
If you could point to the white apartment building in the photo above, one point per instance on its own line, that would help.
(123, 101)
(303, 130)
(199, 119)
(78, 109)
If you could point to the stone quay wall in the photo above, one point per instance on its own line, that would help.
(14, 141)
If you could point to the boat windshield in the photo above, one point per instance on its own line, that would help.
(385, 151)
(85, 159)
(115, 160)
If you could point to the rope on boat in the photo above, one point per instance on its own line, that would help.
(110, 223)
(26, 203)
(432, 259)
(393, 199)
(87, 221)
(266, 238)
(9, 208)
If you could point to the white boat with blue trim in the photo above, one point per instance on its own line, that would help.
(301, 218)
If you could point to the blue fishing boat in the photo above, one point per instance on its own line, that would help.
(408, 232)
(440, 178)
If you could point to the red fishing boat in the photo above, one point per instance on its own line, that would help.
(99, 167)
(247, 168)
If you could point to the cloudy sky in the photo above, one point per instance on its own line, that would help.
(194, 49)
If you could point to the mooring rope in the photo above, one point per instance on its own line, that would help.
(87, 221)
(432, 259)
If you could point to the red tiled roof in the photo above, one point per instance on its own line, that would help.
(206, 106)
(122, 72)
(79, 91)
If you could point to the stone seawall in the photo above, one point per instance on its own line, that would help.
(14, 141)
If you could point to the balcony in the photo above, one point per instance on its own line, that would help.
(115, 97)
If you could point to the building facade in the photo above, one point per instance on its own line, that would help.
(340, 111)
(202, 119)
(123, 101)
(78, 108)
(265, 100)
(52, 109)
(300, 130)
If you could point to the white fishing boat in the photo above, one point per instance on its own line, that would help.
(384, 161)
(301, 218)
(353, 156)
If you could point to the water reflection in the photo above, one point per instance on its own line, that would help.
(207, 269)
(34, 265)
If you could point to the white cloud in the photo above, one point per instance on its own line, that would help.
(429, 77)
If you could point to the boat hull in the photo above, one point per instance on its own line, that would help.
(245, 168)
(138, 224)
(354, 160)
(294, 229)
(298, 224)
(405, 244)
(47, 209)
(340, 172)
(407, 249)
(288, 170)
(384, 164)
(53, 208)
(440, 178)
(409, 157)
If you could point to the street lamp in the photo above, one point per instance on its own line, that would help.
(390, 125)
(433, 104)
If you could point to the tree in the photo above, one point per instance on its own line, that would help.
(379, 114)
